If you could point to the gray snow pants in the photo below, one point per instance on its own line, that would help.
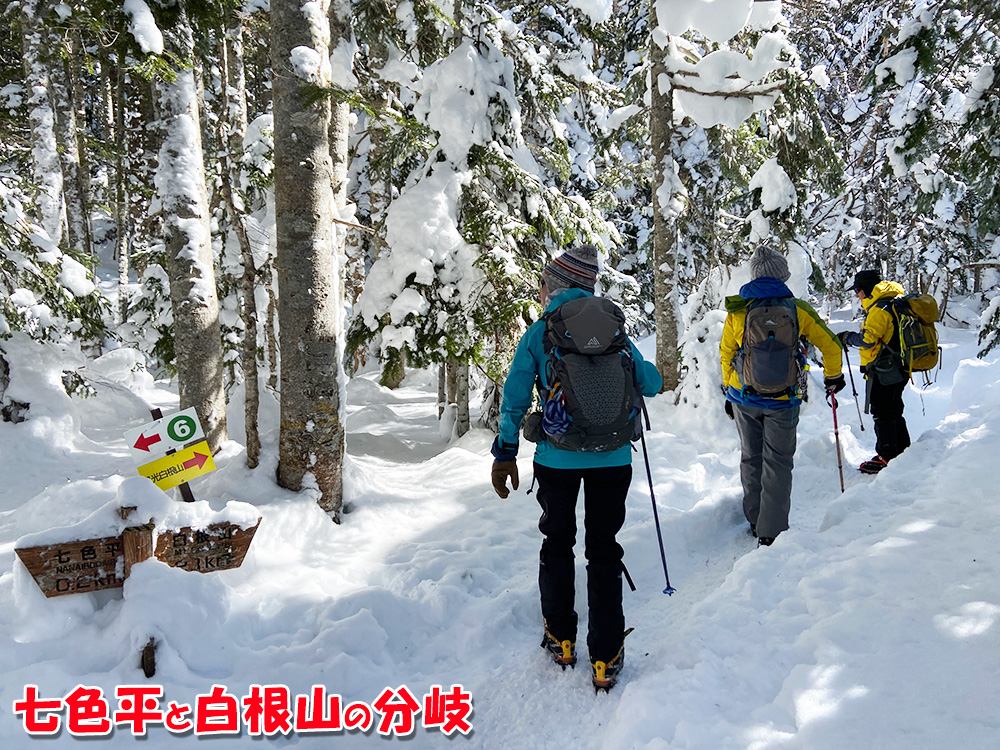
(767, 439)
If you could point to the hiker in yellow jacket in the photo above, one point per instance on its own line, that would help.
(767, 423)
(884, 373)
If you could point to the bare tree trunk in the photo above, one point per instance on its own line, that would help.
(271, 331)
(75, 178)
(312, 440)
(340, 112)
(233, 124)
(235, 86)
(442, 391)
(661, 115)
(451, 381)
(121, 207)
(180, 185)
(462, 422)
(105, 102)
(47, 172)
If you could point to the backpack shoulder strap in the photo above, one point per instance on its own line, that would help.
(891, 306)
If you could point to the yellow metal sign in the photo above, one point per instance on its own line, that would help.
(179, 467)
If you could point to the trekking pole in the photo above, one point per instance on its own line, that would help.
(656, 517)
(855, 390)
(836, 434)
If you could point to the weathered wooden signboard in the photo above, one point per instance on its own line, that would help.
(95, 564)
(220, 546)
(75, 567)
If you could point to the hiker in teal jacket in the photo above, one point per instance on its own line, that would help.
(605, 477)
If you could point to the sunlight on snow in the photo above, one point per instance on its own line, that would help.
(916, 527)
(976, 433)
(822, 701)
(974, 618)
(893, 542)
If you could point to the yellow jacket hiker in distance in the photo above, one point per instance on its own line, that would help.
(810, 325)
(878, 329)
(886, 378)
(767, 423)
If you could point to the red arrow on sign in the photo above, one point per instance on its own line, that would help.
(198, 459)
(144, 442)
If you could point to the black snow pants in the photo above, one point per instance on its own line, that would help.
(604, 492)
(886, 405)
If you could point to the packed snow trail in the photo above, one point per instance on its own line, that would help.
(522, 692)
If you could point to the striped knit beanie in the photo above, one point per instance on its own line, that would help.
(766, 261)
(575, 268)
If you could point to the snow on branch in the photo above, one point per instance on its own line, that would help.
(748, 91)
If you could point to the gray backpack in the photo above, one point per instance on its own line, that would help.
(768, 360)
(592, 403)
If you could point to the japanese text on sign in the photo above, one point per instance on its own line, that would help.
(219, 547)
(267, 710)
(179, 467)
(71, 567)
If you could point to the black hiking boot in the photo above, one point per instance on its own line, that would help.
(604, 675)
(563, 652)
(873, 465)
(765, 541)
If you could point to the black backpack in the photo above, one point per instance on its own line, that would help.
(769, 358)
(593, 402)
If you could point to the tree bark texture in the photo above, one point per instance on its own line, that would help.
(180, 186)
(233, 125)
(462, 421)
(271, 330)
(47, 171)
(235, 87)
(340, 112)
(442, 391)
(312, 440)
(121, 208)
(661, 116)
(76, 191)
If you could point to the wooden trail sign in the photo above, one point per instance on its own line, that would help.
(74, 567)
(221, 546)
(104, 563)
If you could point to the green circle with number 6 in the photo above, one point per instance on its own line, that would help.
(181, 428)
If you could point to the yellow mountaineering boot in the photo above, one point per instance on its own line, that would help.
(605, 674)
(563, 652)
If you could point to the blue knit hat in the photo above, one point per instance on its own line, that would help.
(575, 268)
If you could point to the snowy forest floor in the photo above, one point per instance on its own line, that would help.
(871, 623)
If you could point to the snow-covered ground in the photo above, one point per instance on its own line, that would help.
(872, 623)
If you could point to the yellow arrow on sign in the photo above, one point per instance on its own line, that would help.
(179, 467)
